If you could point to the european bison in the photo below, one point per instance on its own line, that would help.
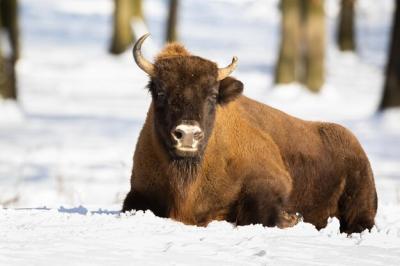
(206, 152)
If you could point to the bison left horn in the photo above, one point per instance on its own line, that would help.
(226, 71)
(145, 65)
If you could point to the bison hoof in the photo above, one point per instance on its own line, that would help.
(289, 219)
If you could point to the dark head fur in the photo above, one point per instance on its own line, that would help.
(185, 88)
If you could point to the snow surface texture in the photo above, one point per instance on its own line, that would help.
(71, 141)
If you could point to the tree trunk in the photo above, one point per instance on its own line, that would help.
(345, 31)
(288, 61)
(9, 25)
(8, 88)
(9, 20)
(172, 21)
(391, 92)
(137, 9)
(302, 51)
(315, 44)
(137, 18)
(122, 32)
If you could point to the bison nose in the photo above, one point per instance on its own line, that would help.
(187, 136)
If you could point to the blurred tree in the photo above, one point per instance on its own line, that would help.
(314, 28)
(9, 20)
(345, 31)
(137, 9)
(125, 12)
(288, 62)
(391, 92)
(8, 88)
(171, 35)
(8, 55)
(302, 50)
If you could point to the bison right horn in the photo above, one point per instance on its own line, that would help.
(142, 62)
(226, 71)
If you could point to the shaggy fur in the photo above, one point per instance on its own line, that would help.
(172, 50)
(256, 164)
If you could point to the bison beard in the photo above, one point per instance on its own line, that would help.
(255, 164)
(182, 172)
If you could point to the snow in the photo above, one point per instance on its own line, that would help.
(66, 149)
(80, 236)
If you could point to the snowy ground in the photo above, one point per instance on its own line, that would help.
(70, 142)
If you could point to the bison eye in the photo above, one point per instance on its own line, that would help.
(160, 95)
(213, 97)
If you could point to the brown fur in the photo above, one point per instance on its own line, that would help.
(172, 50)
(258, 164)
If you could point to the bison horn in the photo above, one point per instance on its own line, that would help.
(226, 71)
(145, 65)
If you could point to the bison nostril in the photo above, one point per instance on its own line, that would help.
(198, 135)
(177, 134)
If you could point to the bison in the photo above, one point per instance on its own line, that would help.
(206, 152)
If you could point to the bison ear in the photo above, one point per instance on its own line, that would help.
(229, 89)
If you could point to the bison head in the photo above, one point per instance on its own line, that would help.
(186, 91)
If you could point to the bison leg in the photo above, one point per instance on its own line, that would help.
(289, 219)
(358, 204)
(137, 201)
(261, 202)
